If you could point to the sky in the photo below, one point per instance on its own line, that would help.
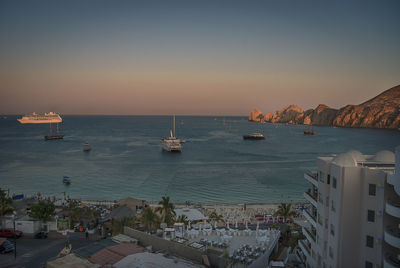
(194, 57)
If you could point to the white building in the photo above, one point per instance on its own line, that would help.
(355, 212)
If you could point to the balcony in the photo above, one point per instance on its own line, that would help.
(312, 177)
(392, 236)
(309, 235)
(305, 248)
(310, 198)
(393, 208)
(391, 260)
(310, 218)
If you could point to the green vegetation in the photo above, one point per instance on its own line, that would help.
(149, 219)
(214, 217)
(5, 203)
(182, 218)
(118, 225)
(286, 211)
(76, 213)
(43, 211)
(166, 210)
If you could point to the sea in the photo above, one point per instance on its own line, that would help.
(216, 166)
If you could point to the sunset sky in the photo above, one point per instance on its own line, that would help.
(194, 57)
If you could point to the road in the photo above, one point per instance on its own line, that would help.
(35, 252)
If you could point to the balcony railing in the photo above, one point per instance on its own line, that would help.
(391, 260)
(309, 196)
(310, 234)
(303, 245)
(392, 236)
(310, 218)
(311, 177)
(393, 208)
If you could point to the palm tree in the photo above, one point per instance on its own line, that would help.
(118, 225)
(149, 219)
(166, 210)
(182, 218)
(286, 211)
(5, 203)
(216, 218)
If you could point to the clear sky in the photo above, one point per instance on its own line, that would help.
(194, 57)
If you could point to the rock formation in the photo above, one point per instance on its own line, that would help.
(383, 111)
(255, 115)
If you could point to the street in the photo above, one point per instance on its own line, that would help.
(35, 252)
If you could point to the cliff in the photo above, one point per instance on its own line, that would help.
(382, 111)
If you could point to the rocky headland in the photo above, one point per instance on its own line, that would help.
(382, 111)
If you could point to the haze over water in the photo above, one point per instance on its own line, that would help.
(215, 166)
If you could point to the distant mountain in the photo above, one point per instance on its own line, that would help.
(382, 111)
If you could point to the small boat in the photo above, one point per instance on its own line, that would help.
(86, 147)
(254, 136)
(53, 137)
(66, 180)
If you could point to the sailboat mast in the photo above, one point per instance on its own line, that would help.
(174, 126)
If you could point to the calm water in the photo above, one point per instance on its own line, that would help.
(216, 165)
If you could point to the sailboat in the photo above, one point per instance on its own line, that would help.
(57, 136)
(172, 144)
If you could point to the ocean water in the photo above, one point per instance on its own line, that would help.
(216, 165)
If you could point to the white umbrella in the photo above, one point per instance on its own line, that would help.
(236, 224)
(189, 225)
(227, 223)
(246, 225)
(215, 224)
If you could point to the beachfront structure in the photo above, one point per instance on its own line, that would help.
(354, 217)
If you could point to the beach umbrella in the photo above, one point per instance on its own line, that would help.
(227, 223)
(236, 224)
(247, 227)
(215, 224)
(189, 225)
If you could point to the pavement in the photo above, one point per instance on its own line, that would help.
(35, 252)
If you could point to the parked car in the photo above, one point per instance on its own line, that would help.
(9, 232)
(41, 235)
(6, 246)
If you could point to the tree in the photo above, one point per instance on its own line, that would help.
(285, 210)
(5, 203)
(166, 210)
(149, 219)
(214, 217)
(118, 225)
(43, 211)
(182, 218)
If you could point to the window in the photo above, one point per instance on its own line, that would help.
(330, 252)
(326, 223)
(328, 179)
(368, 264)
(320, 198)
(334, 182)
(372, 189)
(371, 216)
(332, 230)
(333, 206)
(327, 201)
(370, 241)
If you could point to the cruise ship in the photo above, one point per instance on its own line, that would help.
(35, 118)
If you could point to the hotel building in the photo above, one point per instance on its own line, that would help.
(354, 214)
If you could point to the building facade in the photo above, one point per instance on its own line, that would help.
(354, 214)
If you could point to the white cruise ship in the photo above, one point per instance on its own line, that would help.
(35, 118)
(172, 144)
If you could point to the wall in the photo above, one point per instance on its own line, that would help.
(159, 244)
